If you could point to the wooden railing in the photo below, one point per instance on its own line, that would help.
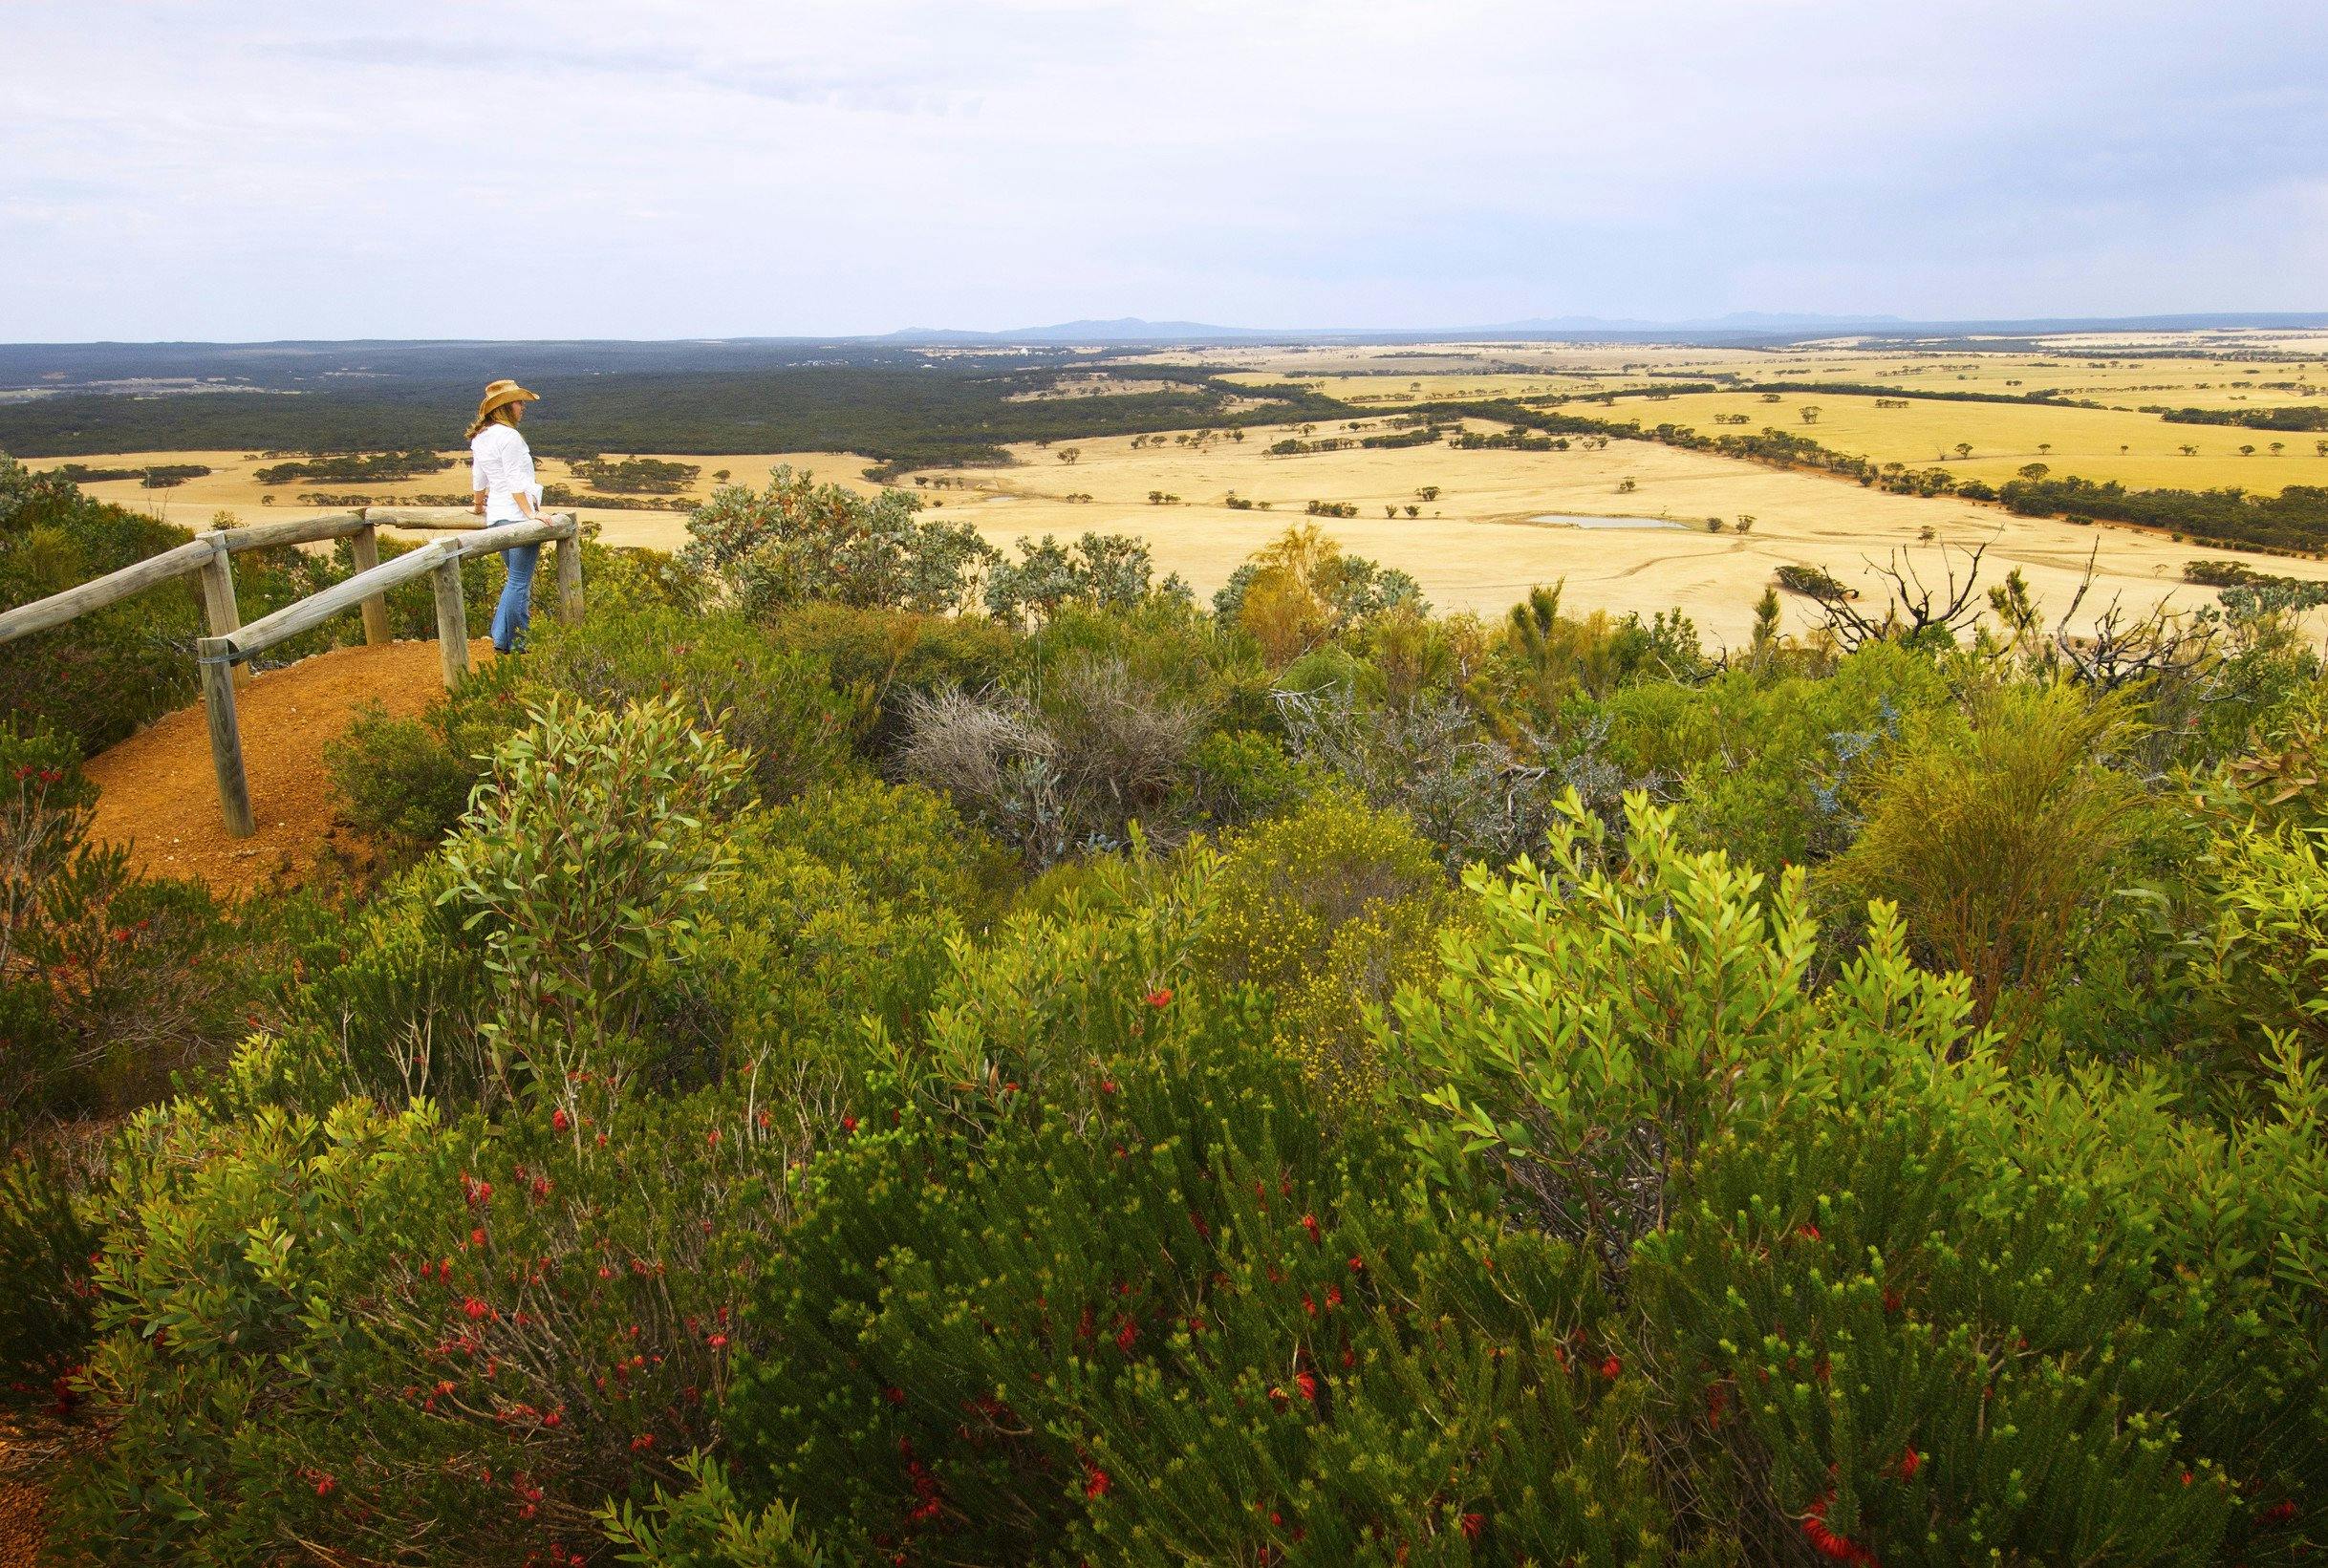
(221, 655)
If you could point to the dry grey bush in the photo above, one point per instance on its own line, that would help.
(1105, 749)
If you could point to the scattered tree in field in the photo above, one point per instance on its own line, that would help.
(2247, 450)
(1928, 533)
(1625, 486)
(1714, 525)
(1772, 398)
(1964, 449)
(1389, 511)
(1430, 492)
(719, 476)
(2044, 448)
(2032, 470)
(1068, 453)
(2187, 450)
(1745, 523)
(2279, 447)
(1412, 511)
(1809, 413)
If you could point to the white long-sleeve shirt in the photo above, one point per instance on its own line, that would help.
(501, 465)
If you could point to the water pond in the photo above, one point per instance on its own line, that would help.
(1570, 520)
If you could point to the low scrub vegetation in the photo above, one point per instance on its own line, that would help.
(836, 1077)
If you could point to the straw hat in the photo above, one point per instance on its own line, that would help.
(498, 395)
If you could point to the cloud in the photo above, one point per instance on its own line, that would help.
(588, 168)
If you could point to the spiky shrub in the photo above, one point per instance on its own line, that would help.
(1178, 1325)
(1995, 847)
(364, 1330)
(1331, 908)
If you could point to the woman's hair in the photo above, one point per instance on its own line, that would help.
(506, 414)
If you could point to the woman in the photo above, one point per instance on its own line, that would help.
(502, 490)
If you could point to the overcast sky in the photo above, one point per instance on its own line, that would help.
(236, 169)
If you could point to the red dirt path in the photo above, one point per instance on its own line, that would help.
(158, 796)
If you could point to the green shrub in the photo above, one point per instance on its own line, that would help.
(108, 982)
(776, 707)
(2263, 965)
(576, 872)
(406, 782)
(1900, 1304)
(47, 1241)
(99, 677)
(1241, 777)
(1775, 771)
(705, 1527)
(892, 655)
(1176, 1328)
(798, 541)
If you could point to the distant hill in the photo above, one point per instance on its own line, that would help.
(1738, 325)
(1121, 330)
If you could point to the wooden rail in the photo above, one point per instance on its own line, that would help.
(221, 655)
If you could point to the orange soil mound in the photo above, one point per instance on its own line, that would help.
(158, 794)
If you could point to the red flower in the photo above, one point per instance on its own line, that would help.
(1473, 1524)
(324, 1485)
(1807, 1230)
(1309, 1386)
(559, 1120)
(1911, 1462)
(1611, 1367)
(1309, 1223)
(711, 1139)
(718, 1341)
(895, 1396)
(1127, 1335)
(1357, 1265)
(1097, 1482)
(475, 1308)
(1161, 997)
(849, 1124)
(477, 1236)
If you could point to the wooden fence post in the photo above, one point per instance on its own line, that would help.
(364, 545)
(569, 577)
(452, 623)
(215, 654)
(220, 612)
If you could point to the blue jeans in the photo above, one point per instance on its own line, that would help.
(515, 610)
